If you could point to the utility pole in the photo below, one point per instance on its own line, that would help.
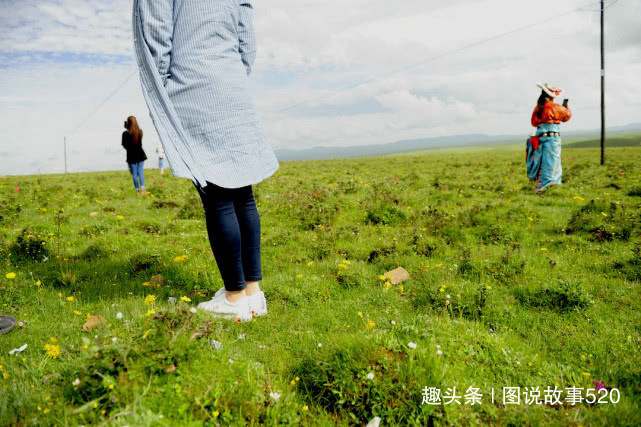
(65, 154)
(602, 92)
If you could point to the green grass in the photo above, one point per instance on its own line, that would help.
(512, 289)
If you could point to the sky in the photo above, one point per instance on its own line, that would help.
(328, 73)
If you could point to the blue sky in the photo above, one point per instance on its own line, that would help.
(60, 59)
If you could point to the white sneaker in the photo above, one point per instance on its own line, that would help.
(257, 302)
(220, 307)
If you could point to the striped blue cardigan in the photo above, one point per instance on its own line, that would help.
(194, 58)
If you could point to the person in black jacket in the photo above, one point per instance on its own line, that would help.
(132, 142)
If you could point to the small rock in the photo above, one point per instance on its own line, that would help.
(172, 300)
(93, 322)
(374, 422)
(398, 275)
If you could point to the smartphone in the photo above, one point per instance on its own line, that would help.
(565, 102)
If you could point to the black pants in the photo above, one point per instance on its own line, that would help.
(233, 226)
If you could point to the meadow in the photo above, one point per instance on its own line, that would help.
(507, 289)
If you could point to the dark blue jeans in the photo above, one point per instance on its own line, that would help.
(233, 226)
(138, 173)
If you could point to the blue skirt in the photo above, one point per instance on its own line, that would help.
(546, 159)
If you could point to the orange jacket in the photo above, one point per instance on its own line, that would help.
(552, 113)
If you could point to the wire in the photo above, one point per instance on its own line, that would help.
(113, 92)
(433, 58)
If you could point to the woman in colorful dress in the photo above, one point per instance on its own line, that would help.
(544, 147)
(195, 57)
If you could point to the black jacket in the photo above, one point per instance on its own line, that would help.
(135, 153)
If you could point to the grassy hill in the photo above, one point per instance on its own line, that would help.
(627, 140)
(507, 289)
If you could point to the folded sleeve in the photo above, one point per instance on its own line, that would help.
(246, 35)
(157, 18)
(562, 113)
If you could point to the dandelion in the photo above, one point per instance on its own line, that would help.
(111, 386)
(150, 299)
(38, 283)
(370, 376)
(411, 345)
(305, 408)
(299, 276)
(370, 324)
(53, 350)
(309, 264)
(185, 299)
(10, 275)
(586, 374)
(293, 382)
(360, 314)
(181, 258)
(95, 405)
(150, 312)
(71, 299)
(488, 287)
(216, 413)
(120, 217)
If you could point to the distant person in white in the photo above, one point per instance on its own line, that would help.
(194, 58)
(161, 158)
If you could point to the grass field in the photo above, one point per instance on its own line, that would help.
(507, 289)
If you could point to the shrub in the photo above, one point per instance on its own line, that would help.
(562, 296)
(28, 247)
(385, 215)
(339, 383)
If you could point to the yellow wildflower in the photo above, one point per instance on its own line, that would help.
(150, 299)
(70, 299)
(216, 413)
(370, 324)
(5, 375)
(150, 312)
(185, 299)
(181, 258)
(38, 283)
(299, 276)
(53, 350)
(10, 275)
(586, 374)
(111, 386)
(604, 214)
(53, 340)
(488, 287)
(77, 313)
(309, 264)
(120, 217)
(544, 249)
(359, 314)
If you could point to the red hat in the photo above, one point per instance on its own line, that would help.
(551, 90)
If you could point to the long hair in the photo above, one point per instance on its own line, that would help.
(133, 129)
(541, 102)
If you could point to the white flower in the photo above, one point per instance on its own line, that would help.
(241, 336)
(193, 310)
(370, 376)
(231, 361)
(393, 322)
(114, 339)
(320, 345)
(411, 345)
(438, 346)
(447, 296)
(439, 352)
(447, 302)
(76, 382)
(274, 395)
(119, 315)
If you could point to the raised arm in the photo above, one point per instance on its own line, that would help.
(246, 34)
(157, 17)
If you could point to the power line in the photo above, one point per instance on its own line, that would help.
(434, 58)
(113, 92)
